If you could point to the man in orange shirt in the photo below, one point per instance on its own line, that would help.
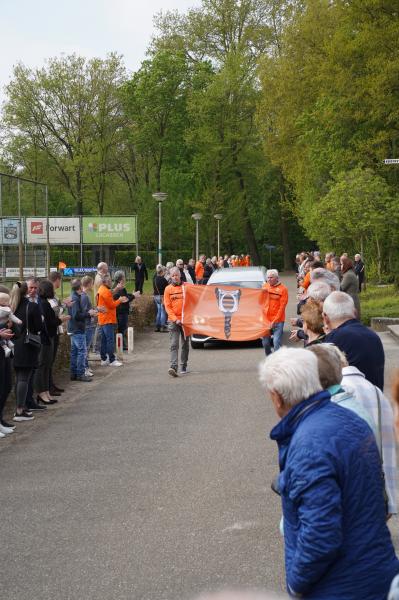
(199, 268)
(107, 321)
(173, 301)
(278, 298)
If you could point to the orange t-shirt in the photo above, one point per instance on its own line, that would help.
(173, 301)
(199, 270)
(105, 298)
(278, 298)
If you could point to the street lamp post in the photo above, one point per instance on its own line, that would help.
(160, 197)
(218, 219)
(197, 218)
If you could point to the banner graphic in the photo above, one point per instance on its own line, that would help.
(225, 312)
(10, 231)
(109, 230)
(62, 230)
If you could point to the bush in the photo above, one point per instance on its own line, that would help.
(379, 301)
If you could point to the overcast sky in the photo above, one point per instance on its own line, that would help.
(33, 30)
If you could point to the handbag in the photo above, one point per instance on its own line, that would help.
(31, 339)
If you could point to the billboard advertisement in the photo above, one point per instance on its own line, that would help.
(10, 231)
(62, 230)
(109, 230)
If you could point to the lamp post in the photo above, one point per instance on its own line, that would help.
(218, 219)
(160, 197)
(197, 217)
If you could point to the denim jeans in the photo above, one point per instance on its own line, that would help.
(108, 342)
(89, 338)
(277, 332)
(78, 354)
(160, 320)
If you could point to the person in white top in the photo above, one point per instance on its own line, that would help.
(380, 409)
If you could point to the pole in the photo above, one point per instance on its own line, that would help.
(218, 238)
(197, 239)
(48, 232)
(2, 232)
(159, 233)
(81, 240)
(20, 245)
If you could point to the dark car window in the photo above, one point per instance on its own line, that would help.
(243, 284)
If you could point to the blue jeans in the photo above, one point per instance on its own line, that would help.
(160, 320)
(78, 354)
(277, 332)
(89, 338)
(108, 342)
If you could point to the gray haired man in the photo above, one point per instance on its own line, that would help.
(173, 300)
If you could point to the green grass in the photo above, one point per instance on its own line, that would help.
(379, 302)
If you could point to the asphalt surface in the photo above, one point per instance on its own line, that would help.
(140, 486)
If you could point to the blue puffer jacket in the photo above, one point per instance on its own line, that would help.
(337, 544)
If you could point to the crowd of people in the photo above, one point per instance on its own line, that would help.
(336, 437)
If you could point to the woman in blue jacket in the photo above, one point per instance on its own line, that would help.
(337, 543)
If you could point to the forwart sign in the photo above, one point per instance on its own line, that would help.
(62, 230)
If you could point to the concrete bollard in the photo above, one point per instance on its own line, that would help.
(130, 340)
(119, 345)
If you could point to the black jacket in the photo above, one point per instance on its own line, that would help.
(191, 270)
(363, 349)
(50, 321)
(140, 272)
(123, 308)
(159, 284)
(79, 315)
(26, 356)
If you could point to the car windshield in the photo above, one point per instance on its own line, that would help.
(243, 284)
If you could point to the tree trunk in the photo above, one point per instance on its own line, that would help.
(286, 242)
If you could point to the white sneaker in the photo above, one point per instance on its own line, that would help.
(2, 435)
(6, 430)
(104, 363)
(88, 373)
(116, 363)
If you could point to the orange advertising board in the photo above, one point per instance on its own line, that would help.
(225, 312)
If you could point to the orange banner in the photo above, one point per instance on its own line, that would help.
(225, 312)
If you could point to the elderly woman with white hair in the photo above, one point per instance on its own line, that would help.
(337, 543)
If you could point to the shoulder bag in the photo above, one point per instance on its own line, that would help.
(31, 339)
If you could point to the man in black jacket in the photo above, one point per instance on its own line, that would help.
(362, 346)
(140, 273)
(76, 329)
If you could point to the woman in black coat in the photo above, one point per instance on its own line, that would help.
(25, 355)
(47, 334)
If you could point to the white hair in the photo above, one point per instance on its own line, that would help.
(160, 269)
(169, 265)
(292, 373)
(339, 306)
(101, 266)
(326, 276)
(271, 273)
(174, 271)
(319, 290)
(179, 260)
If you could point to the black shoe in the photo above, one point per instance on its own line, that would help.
(173, 372)
(73, 378)
(55, 388)
(5, 423)
(45, 402)
(35, 406)
(24, 416)
(85, 378)
(54, 393)
(157, 329)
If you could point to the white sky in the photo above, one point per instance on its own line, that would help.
(33, 30)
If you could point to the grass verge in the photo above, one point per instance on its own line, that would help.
(379, 301)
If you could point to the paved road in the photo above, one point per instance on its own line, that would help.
(139, 486)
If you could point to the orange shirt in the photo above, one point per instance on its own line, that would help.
(199, 270)
(278, 298)
(306, 281)
(105, 298)
(173, 301)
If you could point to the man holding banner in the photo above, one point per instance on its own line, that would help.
(173, 301)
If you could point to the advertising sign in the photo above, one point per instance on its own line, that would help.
(28, 271)
(10, 231)
(62, 230)
(72, 271)
(109, 230)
